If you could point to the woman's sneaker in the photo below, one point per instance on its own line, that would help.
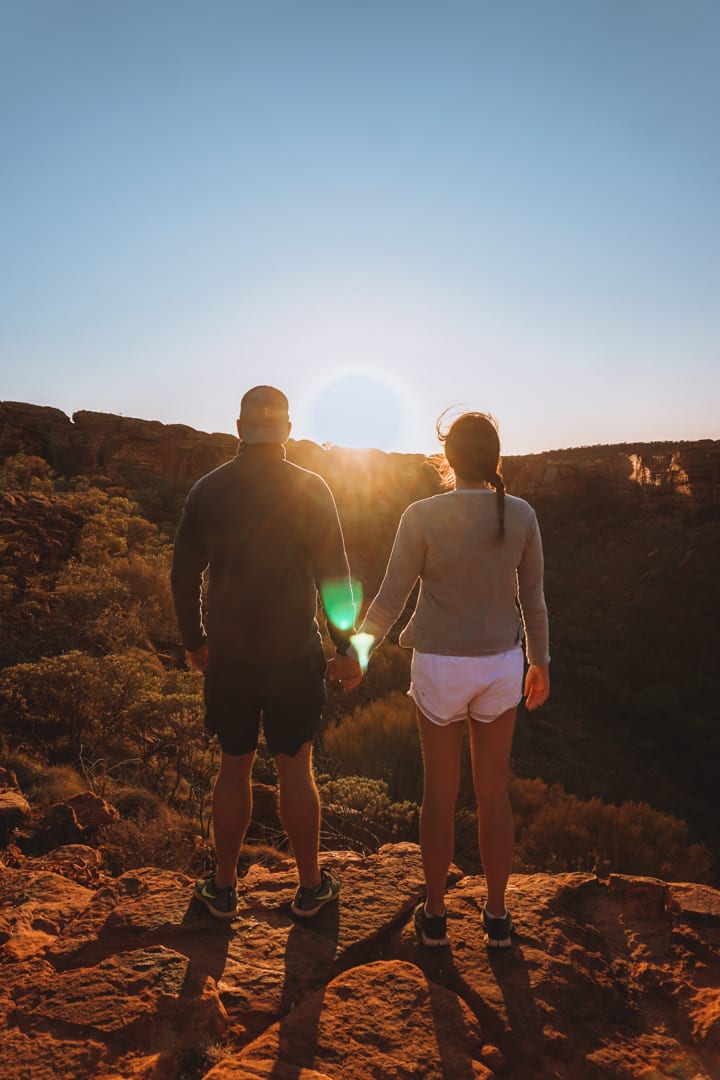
(497, 930)
(431, 929)
(308, 901)
(221, 903)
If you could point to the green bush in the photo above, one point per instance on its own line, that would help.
(39, 782)
(160, 838)
(558, 832)
(380, 741)
(359, 809)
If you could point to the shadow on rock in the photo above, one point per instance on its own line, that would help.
(307, 941)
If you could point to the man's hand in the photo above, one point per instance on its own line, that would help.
(198, 658)
(346, 670)
(537, 686)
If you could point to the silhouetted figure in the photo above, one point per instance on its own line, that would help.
(268, 534)
(478, 555)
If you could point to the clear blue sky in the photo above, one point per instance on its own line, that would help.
(383, 207)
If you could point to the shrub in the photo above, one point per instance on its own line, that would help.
(388, 670)
(68, 702)
(558, 832)
(42, 783)
(360, 812)
(160, 838)
(380, 741)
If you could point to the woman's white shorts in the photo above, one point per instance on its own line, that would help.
(450, 688)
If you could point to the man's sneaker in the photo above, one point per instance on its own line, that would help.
(431, 929)
(497, 930)
(308, 901)
(221, 903)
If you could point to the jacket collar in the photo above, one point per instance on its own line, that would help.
(261, 451)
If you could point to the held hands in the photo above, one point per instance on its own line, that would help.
(198, 658)
(346, 670)
(537, 686)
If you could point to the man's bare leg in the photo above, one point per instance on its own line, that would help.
(232, 809)
(300, 811)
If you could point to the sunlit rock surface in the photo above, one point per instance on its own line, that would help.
(616, 978)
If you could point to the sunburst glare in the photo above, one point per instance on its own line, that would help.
(359, 406)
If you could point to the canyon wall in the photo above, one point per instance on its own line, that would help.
(131, 451)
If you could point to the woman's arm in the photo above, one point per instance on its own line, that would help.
(531, 597)
(404, 566)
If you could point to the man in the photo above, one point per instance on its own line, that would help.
(269, 535)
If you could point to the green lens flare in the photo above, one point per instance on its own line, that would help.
(342, 601)
(362, 644)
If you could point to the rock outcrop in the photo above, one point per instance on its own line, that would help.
(128, 978)
(136, 452)
(687, 474)
(14, 807)
(120, 447)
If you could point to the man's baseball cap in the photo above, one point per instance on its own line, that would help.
(264, 415)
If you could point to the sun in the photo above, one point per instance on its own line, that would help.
(358, 406)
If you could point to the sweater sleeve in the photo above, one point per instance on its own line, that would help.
(190, 560)
(532, 598)
(404, 567)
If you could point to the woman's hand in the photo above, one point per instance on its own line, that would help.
(537, 686)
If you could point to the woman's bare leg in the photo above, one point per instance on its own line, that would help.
(441, 748)
(490, 746)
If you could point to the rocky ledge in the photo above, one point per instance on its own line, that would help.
(130, 978)
(133, 451)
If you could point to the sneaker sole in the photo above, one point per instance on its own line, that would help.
(307, 913)
(431, 943)
(223, 916)
(500, 943)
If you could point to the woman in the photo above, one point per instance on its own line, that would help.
(478, 555)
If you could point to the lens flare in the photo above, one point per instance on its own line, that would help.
(342, 600)
(362, 644)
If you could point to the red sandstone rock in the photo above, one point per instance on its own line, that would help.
(145, 1000)
(91, 811)
(135, 906)
(603, 982)
(8, 779)
(697, 904)
(126, 449)
(265, 806)
(14, 809)
(600, 982)
(383, 1019)
(34, 907)
(78, 862)
(58, 825)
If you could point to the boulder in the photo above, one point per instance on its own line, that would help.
(91, 811)
(383, 1019)
(14, 809)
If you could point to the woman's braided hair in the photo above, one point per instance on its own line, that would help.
(472, 452)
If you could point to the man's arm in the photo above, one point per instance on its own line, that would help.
(190, 560)
(331, 571)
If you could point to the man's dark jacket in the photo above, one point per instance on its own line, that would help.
(270, 535)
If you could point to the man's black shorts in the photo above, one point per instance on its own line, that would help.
(289, 695)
